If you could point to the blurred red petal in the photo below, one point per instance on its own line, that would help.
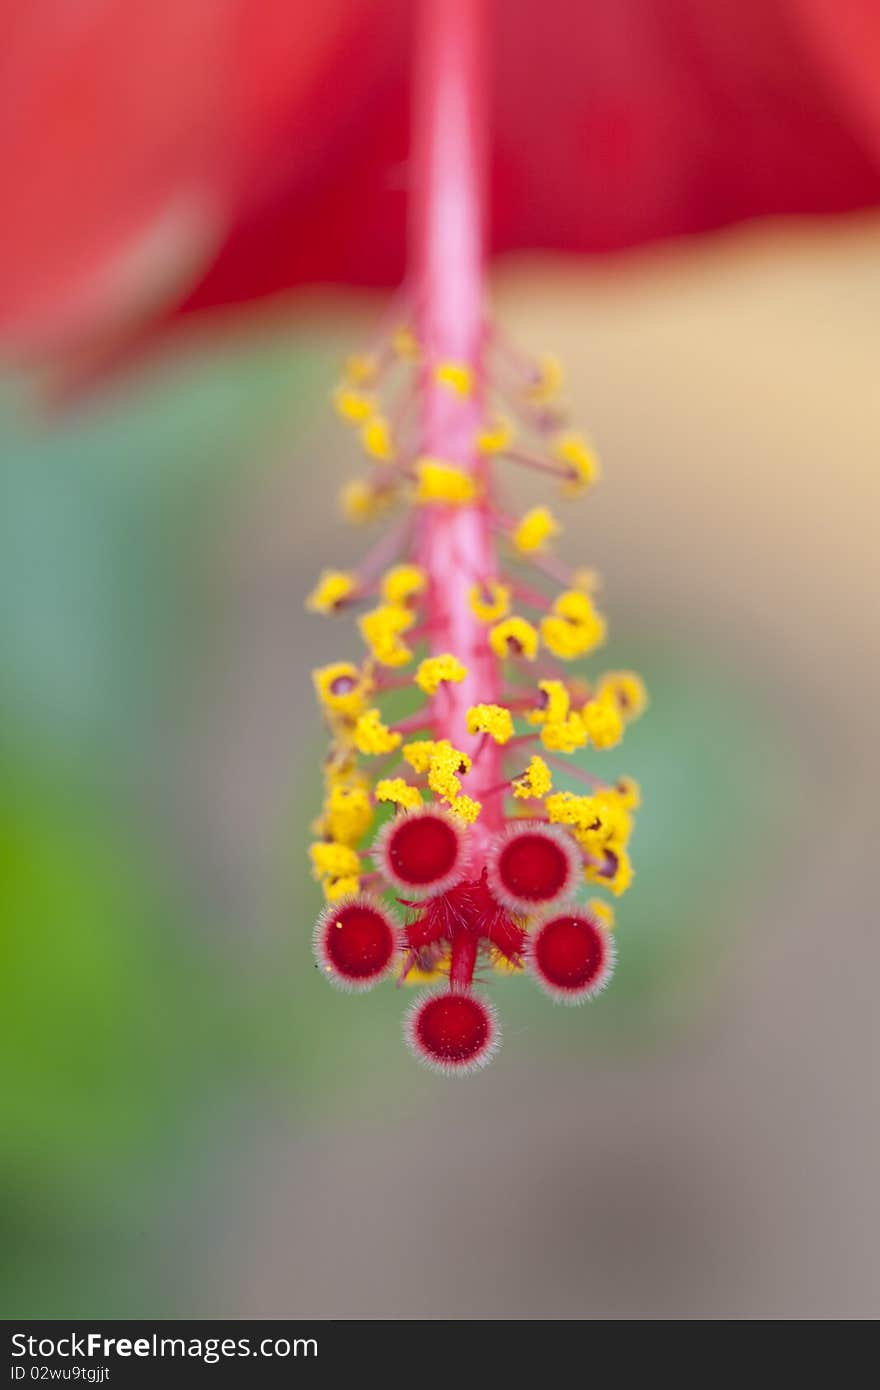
(133, 136)
(218, 151)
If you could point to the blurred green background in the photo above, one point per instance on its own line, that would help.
(192, 1123)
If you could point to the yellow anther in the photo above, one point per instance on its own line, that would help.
(615, 823)
(442, 483)
(353, 405)
(573, 450)
(514, 637)
(564, 736)
(332, 589)
(376, 439)
(336, 888)
(574, 628)
(534, 530)
(489, 601)
(496, 437)
(493, 720)
(402, 583)
(536, 781)
(603, 723)
(341, 688)
(381, 629)
(446, 766)
(330, 860)
(456, 376)
(553, 704)
(580, 812)
(625, 690)
(435, 669)
(398, 791)
(419, 754)
(599, 822)
(465, 808)
(347, 814)
(372, 737)
(613, 871)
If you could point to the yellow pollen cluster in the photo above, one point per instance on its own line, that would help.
(455, 376)
(495, 438)
(614, 871)
(573, 628)
(534, 530)
(376, 439)
(602, 826)
(333, 588)
(403, 583)
(582, 813)
(346, 816)
(330, 860)
(439, 483)
(514, 637)
(398, 791)
(353, 405)
(436, 669)
(336, 888)
(565, 735)
(536, 781)
(419, 753)
(573, 450)
(444, 768)
(341, 688)
(444, 765)
(490, 601)
(603, 723)
(554, 705)
(381, 629)
(626, 691)
(372, 737)
(493, 720)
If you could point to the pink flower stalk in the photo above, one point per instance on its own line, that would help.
(484, 856)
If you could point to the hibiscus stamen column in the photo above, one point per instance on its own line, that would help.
(453, 804)
(448, 288)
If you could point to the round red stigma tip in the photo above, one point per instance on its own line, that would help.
(355, 943)
(452, 1032)
(533, 866)
(571, 956)
(422, 852)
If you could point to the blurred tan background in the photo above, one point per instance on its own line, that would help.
(726, 1167)
(705, 1142)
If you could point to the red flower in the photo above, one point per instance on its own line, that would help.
(169, 157)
